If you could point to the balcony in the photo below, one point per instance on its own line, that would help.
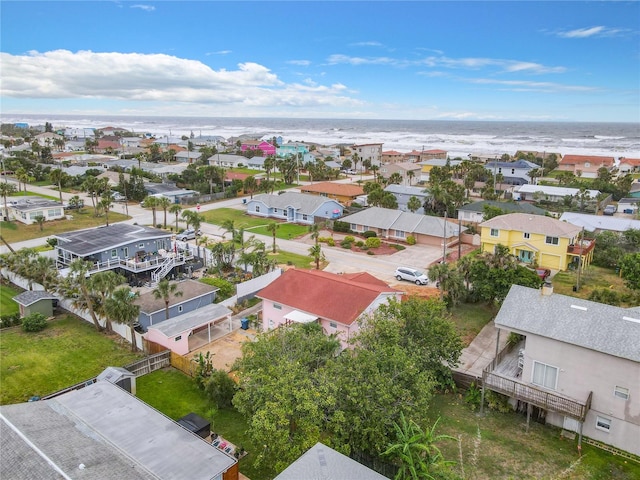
(503, 376)
(582, 247)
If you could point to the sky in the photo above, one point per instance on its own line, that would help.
(417, 60)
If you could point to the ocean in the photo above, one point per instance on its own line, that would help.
(459, 138)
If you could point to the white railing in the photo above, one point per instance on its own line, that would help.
(161, 272)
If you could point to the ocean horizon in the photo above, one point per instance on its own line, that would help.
(460, 138)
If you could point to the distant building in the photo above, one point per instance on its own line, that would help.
(474, 211)
(368, 151)
(403, 193)
(586, 166)
(345, 193)
(27, 210)
(513, 173)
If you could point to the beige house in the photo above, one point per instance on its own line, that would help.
(368, 151)
(586, 166)
(578, 365)
(410, 172)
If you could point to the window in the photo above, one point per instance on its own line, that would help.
(257, 208)
(513, 171)
(333, 324)
(603, 423)
(304, 217)
(114, 253)
(621, 392)
(178, 338)
(125, 250)
(399, 233)
(275, 210)
(544, 375)
(277, 307)
(141, 245)
(551, 240)
(526, 235)
(495, 232)
(180, 308)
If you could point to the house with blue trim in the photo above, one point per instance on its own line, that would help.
(514, 173)
(295, 207)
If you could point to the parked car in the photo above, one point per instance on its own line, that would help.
(411, 275)
(609, 210)
(188, 235)
(543, 273)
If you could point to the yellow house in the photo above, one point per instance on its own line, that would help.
(537, 240)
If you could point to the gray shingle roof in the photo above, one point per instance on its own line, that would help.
(30, 297)
(189, 321)
(600, 222)
(526, 222)
(324, 463)
(96, 240)
(303, 202)
(592, 325)
(112, 434)
(407, 190)
(388, 219)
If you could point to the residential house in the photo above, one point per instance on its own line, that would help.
(323, 463)
(36, 301)
(295, 207)
(629, 165)
(410, 172)
(103, 431)
(336, 301)
(534, 193)
(48, 139)
(345, 193)
(114, 177)
(427, 166)
(578, 365)
(138, 252)
(403, 193)
(392, 156)
(536, 239)
(189, 331)
(513, 173)
(628, 205)
(108, 144)
(368, 151)
(228, 160)
(192, 296)
(396, 225)
(292, 149)
(265, 147)
(634, 191)
(586, 166)
(27, 210)
(255, 163)
(169, 190)
(600, 223)
(112, 131)
(474, 211)
(187, 156)
(433, 154)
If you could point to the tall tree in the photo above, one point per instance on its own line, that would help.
(76, 286)
(6, 189)
(316, 252)
(103, 284)
(175, 209)
(58, 177)
(164, 290)
(120, 308)
(152, 203)
(164, 203)
(272, 227)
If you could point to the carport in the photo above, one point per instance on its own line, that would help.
(189, 331)
(297, 316)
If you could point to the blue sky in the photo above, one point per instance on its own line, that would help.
(525, 60)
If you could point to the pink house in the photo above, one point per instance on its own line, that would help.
(587, 165)
(265, 147)
(335, 301)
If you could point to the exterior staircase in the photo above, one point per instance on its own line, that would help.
(162, 271)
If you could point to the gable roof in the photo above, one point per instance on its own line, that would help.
(96, 240)
(511, 207)
(521, 164)
(302, 202)
(389, 219)
(525, 222)
(635, 162)
(592, 223)
(342, 298)
(30, 297)
(344, 189)
(592, 325)
(582, 159)
(324, 463)
(101, 431)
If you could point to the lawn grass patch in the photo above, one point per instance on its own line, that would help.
(293, 259)
(7, 305)
(470, 318)
(285, 231)
(68, 351)
(251, 224)
(592, 278)
(504, 450)
(176, 395)
(17, 232)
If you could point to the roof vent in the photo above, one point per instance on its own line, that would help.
(578, 307)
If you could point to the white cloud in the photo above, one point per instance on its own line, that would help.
(524, 85)
(367, 44)
(337, 59)
(62, 74)
(302, 63)
(219, 52)
(597, 31)
(146, 8)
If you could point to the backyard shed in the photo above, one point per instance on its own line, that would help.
(36, 301)
(121, 377)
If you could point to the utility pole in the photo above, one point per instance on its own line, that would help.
(579, 261)
(444, 238)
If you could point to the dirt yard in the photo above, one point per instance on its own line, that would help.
(227, 349)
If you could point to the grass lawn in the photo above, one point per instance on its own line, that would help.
(470, 318)
(256, 225)
(591, 279)
(68, 351)
(298, 261)
(176, 395)
(84, 218)
(7, 305)
(496, 447)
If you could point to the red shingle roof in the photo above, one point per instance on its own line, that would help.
(344, 189)
(582, 159)
(631, 161)
(342, 298)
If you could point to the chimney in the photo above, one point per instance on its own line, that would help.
(547, 288)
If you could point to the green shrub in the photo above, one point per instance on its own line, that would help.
(398, 247)
(498, 402)
(369, 234)
(220, 389)
(355, 205)
(359, 244)
(411, 240)
(345, 244)
(227, 289)
(373, 242)
(331, 242)
(371, 252)
(35, 322)
(605, 295)
(473, 396)
(349, 238)
(10, 320)
(342, 227)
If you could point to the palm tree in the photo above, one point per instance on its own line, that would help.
(164, 291)
(316, 252)
(120, 308)
(273, 228)
(58, 177)
(89, 186)
(152, 203)
(314, 229)
(40, 220)
(250, 185)
(175, 209)
(103, 283)
(164, 203)
(105, 204)
(413, 204)
(410, 175)
(6, 189)
(76, 286)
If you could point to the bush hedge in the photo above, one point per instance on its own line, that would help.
(369, 234)
(35, 322)
(10, 320)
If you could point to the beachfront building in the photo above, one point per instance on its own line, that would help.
(293, 149)
(265, 147)
(537, 240)
(392, 156)
(629, 165)
(577, 366)
(368, 151)
(410, 172)
(586, 166)
(513, 173)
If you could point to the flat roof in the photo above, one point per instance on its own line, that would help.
(95, 240)
(192, 320)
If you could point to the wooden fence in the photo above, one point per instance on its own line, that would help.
(184, 364)
(150, 363)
